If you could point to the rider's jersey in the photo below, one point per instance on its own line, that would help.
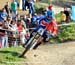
(37, 19)
(51, 27)
(40, 18)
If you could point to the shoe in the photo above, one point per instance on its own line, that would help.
(47, 39)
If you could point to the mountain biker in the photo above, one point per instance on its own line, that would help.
(50, 26)
(51, 29)
(48, 22)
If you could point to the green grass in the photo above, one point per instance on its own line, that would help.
(67, 33)
(57, 16)
(9, 56)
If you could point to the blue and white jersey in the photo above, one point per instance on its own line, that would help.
(40, 18)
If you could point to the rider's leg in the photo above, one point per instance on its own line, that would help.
(45, 36)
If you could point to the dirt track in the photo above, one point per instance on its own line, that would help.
(52, 54)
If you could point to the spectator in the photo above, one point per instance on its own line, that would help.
(23, 35)
(17, 3)
(66, 12)
(7, 7)
(2, 33)
(0, 41)
(23, 23)
(14, 9)
(19, 26)
(63, 17)
(4, 36)
(4, 14)
(27, 4)
(3, 39)
(24, 4)
(31, 7)
(26, 20)
(13, 28)
(6, 25)
(9, 18)
(18, 17)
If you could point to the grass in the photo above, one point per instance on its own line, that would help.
(65, 33)
(9, 56)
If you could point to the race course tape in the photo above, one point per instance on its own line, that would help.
(65, 24)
